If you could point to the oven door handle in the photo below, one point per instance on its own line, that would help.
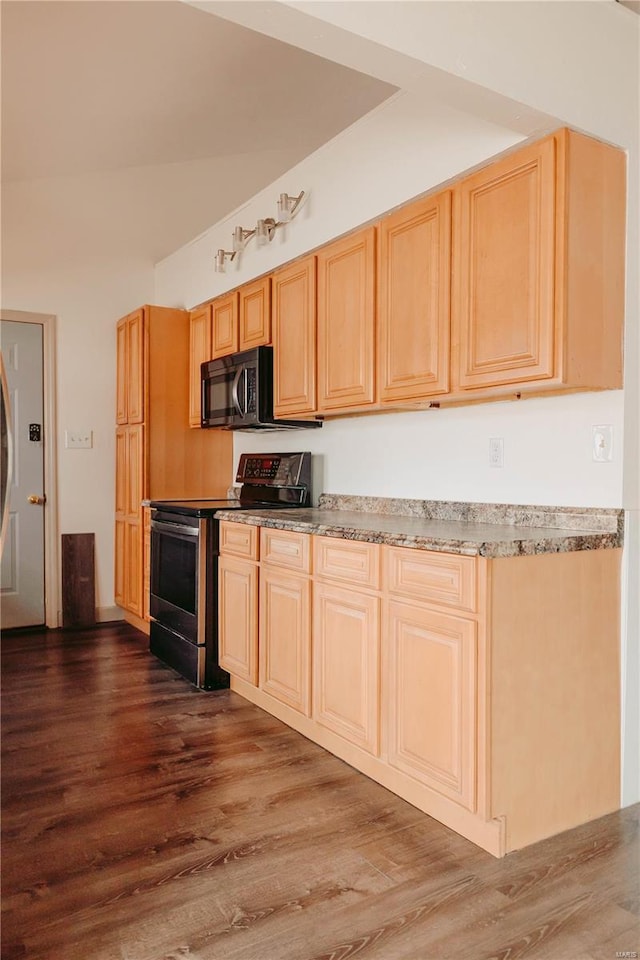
(235, 392)
(174, 529)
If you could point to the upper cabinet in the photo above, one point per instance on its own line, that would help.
(346, 322)
(413, 302)
(294, 339)
(255, 314)
(509, 283)
(224, 322)
(538, 268)
(130, 368)
(199, 352)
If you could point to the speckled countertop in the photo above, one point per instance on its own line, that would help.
(473, 529)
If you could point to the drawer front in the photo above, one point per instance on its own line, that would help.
(440, 578)
(238, 540)
(347, 561)
(284, 548)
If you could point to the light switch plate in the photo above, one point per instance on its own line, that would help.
(602, 440)
(78, 439)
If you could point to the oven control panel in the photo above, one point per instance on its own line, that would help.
(274, 469)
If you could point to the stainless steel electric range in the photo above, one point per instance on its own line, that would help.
(184, 561)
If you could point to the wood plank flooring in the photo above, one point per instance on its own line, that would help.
(146, 820)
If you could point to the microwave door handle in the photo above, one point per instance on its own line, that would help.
(234, 391)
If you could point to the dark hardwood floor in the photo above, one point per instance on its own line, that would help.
(145, 820)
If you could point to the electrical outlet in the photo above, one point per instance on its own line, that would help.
(602, 440)
(496, 452)
(78, 439)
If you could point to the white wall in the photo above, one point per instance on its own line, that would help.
(65, 252)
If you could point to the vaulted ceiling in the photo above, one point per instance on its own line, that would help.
(103, 87)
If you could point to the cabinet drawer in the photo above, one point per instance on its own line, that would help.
(285, 548)
(441, 578)
(238, 540)
(347, 561)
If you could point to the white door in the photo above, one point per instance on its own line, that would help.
(22, 590)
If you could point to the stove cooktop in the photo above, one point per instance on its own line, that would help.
(196, 508)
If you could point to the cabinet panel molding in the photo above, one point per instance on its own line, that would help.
(294, 339)
(414, 303)
(346, 322)
(346, 682)
(440, 578)
(224, 325)
(199, 353)
(238, 617)
(431, 709)
(255, 314)
(285, 548)
(239, 540)
(285, 638)
(347, 561)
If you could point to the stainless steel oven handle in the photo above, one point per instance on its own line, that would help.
(234, 390)
(165, 526)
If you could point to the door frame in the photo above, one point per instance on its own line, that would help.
(52, 595)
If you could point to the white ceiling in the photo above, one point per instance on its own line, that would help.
(98, 87)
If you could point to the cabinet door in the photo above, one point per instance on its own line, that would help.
(413, 307)
(135, 472)
(121, 371)
(255, 314)
(133, 572)
(431, 707)
(285, 638)
(346, 675)
(504, 261)
(224, 325)
(294, 339)
(346, 322)
(199, 352)
(238, 618)
(135, 367)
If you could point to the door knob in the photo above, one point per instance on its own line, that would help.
(34, 498)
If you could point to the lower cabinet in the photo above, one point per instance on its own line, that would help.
(431, 698)
(346, 674)
(483, 691)
(285, 637)
(238, 617)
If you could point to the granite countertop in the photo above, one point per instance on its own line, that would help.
(472, 529)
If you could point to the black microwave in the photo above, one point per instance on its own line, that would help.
(237, 393)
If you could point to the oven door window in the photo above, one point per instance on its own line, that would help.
(174, 570)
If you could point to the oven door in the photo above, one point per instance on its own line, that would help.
(176, 575)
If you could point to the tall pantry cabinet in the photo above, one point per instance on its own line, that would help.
(158, 456)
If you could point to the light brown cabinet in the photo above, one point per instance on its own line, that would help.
(431, 700)
(346, 322)
(285, 618)
(238, 617)
(157, 455)
(199, 353)
(254, 317)
(413, 302)
(294, 339)
(285, 637)
(346, 673)
(238, 600)
(484, 691)
(224, 325)
(538, 262)
(130, 333)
